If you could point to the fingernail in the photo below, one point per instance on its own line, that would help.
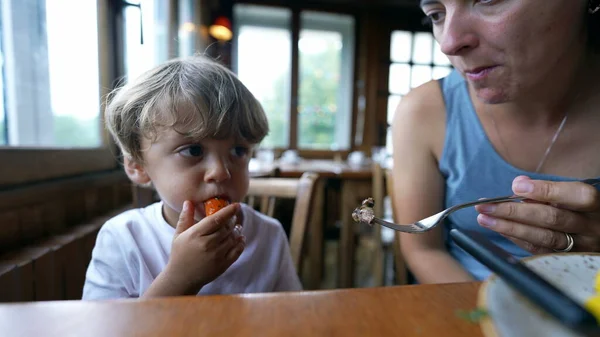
(485, 220)
(186, 207)
(488, 208)
(523, 187)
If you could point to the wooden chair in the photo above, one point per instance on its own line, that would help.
(382, 188)
(266, 191)
(143, 195)
(400, 264)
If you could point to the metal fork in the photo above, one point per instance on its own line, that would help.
(429, 223)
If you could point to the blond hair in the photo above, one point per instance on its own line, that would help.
(196, 96)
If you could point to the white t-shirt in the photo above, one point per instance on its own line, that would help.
(134, 247)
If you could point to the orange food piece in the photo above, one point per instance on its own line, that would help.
(211, 206)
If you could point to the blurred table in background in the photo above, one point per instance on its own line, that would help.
(354, 183)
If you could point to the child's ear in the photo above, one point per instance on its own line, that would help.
(135, 171)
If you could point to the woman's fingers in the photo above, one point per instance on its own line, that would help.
(534, 236)
(538, 215)
(573, 195)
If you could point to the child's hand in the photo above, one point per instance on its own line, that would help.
(201, 251)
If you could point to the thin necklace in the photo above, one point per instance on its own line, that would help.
(548, 149)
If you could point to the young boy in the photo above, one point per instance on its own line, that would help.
(188, 127)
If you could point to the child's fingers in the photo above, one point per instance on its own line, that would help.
(214, 222)
(240, 217)
(221, 235)
(235, 252)
(223, 247)
(186, 218)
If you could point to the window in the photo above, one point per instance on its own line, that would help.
(146, 35)
(415, 59)
(318, 114)
(326, 48)
(50, 77)
(263, 64)
(54, 70)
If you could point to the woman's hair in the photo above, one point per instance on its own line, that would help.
(195, 96)
(593, 31)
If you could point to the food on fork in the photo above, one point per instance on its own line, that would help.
(212, 205)
(364, 213)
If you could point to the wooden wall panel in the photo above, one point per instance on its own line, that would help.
(48, 231)
(9, 230)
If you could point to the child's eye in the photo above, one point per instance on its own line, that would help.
(240, 151)
(192, 151)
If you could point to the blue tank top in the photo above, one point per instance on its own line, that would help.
(473, 169)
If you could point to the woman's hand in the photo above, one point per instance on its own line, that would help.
(540, 226)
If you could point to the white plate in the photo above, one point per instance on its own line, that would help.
(511, 314)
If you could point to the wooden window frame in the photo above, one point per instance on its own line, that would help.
(27, 165)
(295, 26)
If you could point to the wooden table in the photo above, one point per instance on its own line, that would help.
(424, 310)
(355, 186)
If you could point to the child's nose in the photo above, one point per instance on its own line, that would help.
(217, 172)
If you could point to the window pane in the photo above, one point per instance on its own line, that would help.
(423, 51)
(389, 146)
(399, 81)
(439, 72)
(393, 101)
(3, 126)
(439, 58)
(268, 75)
(141, 57)
(420, 75)
(401, 46)
(192, 38)
(325, 93)
(50, 73)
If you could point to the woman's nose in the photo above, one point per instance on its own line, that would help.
(458, 34)
(217, 171)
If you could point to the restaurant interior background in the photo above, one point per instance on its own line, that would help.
(329, 74)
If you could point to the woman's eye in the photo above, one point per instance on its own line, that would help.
(436, 17)
(192, 151)
(240, 151)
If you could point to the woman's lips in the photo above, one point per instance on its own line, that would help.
(479, 74)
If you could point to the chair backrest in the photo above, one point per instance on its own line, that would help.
(401, 267)
(143, 195)
(268, 190)
(378, 195)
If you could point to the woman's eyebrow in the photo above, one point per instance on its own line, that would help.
(428, 2)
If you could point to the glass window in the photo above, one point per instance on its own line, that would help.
(143, 51)
(399, 79)
(50, 78)
(263, 64)
(401, 46)
(423, 48)
(262, 60)
(326, 49)
(416, 58)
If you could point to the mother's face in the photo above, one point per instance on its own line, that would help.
(509, 47)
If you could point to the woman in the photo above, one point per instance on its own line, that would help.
(519, 114)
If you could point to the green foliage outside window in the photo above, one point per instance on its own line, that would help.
(73, 132)
(68, 132)
(276, 111)
(2, 133)
(319, 85)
